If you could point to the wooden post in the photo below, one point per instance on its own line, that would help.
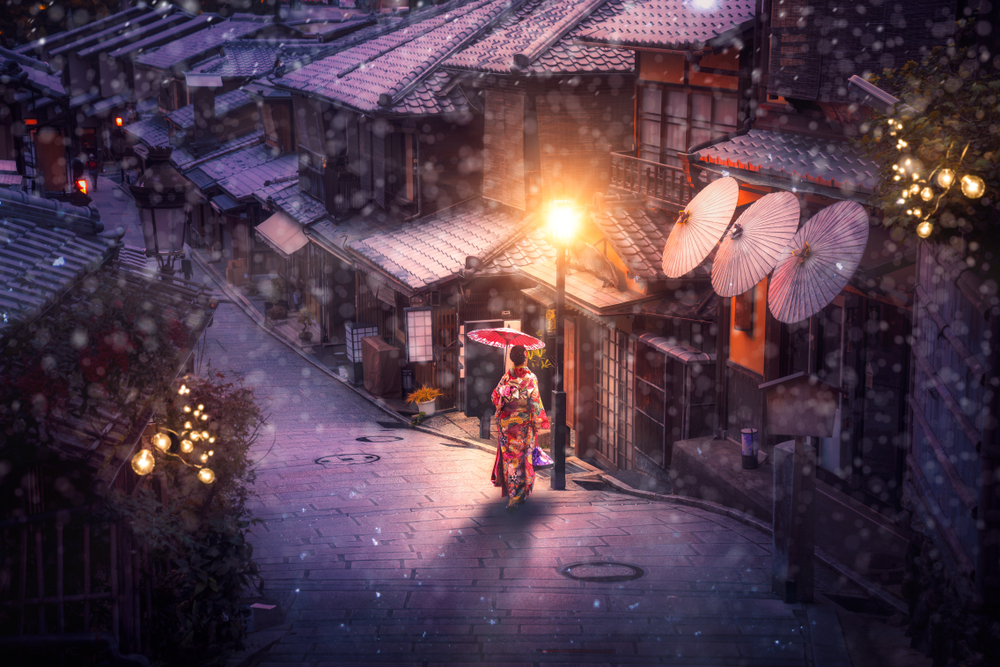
(794, 520)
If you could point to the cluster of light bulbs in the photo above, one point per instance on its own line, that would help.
(920, 190)
(194, 431)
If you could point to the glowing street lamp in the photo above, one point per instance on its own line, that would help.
(563, 221)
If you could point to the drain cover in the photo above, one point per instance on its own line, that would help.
(602, 571)
(378, 438)
(347, 459)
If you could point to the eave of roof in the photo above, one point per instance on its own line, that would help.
(376, 76)
(673, 25)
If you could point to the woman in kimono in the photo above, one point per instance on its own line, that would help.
(520, 415)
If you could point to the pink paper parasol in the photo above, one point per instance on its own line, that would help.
(752, 249)
(818, 262)
(504, 337)
(700, 226)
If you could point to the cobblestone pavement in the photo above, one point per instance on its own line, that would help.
(391, 546)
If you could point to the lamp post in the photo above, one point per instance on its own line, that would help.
(161, 197)
(121, 157)
(562, 226)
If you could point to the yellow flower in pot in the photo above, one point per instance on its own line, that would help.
(424, 398)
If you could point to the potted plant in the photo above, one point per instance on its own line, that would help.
(424, 398)
(305, 319)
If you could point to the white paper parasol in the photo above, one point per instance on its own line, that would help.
(700, 226)
(751, 249)
(818, 262)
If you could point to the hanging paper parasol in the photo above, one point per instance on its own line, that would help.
(700, 226)
(751, 249)
(818, 262)
(504, 337)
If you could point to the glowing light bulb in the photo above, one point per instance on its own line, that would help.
(895, 167)
(161, 442)
(945, 178)
(211, 453)
(187, 446)
(204, 417)
(143, 462)
(916, 212)
(900, 201)
(927, 194)
(187, 424)
(206, 475)
(895, 178)
(211, 439)
(914, 188)
(924, 229)
(973, 187)
(195, 435)
(204, 458)
(204, 434)
(187, 408)
(201, 407)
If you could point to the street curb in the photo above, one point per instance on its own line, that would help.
(244, 304)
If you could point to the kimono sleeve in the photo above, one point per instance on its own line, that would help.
(496, 397)
(538, 416)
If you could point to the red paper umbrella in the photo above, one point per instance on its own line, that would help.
(818, 262)
(504, 337)
(751, 249)
(700, 226)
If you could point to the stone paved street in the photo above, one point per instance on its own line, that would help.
(391, 545)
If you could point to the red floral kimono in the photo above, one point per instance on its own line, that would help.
(520, 416)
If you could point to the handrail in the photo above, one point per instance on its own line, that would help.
(662, 182)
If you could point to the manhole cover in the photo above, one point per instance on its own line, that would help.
(602, 572)
(347, 459)
(378, 438)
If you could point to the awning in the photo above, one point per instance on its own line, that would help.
(283, 234)
(585, 290)
(224, 203)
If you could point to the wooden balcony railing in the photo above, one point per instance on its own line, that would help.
(665, 185)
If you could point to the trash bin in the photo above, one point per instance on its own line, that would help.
(748, 440)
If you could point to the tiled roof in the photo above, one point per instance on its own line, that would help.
(242, 59)
(38, 262)
(388, 65)
(175, 32)
(637, 237)
(40, 45)
(199, 44)
(41, 78)
(229, 165)
(796, 158)
(424, 253)
(234, 99)
(152, 131)
(134, 35)
(294, 202)
(85, 42)
(531, 248)
(529, 29)
(585, 290)
(184, 160)
(674, 24)
(247, 181)
(336, 236)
